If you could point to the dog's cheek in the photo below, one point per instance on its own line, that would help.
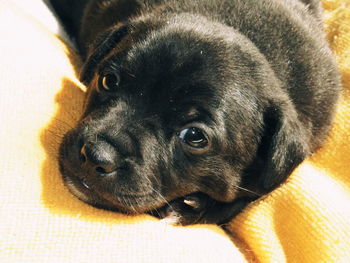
(216, 178)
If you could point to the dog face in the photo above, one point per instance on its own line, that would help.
(175, 108)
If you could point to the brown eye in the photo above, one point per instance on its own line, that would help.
(194, 137)
(109, 82)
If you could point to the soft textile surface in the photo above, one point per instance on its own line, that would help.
(308, 218)
(305, 220)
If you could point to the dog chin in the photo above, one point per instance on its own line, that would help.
(83, 192)
(126, 203)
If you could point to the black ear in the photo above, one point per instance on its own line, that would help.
(99, 49)
(284, 146)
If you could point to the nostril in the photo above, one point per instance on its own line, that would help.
(99, 158)
(100, 170)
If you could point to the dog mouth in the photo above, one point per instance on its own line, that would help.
(118, 201)
(113, 191)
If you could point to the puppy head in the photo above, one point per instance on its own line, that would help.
(177, 107)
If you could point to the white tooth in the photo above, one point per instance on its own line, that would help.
(85, 184)
(191, 203)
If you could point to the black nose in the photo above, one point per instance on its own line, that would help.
(99, 158)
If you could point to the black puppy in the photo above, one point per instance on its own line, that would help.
(195, 107)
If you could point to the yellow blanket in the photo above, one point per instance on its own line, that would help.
(305, 220)
(308, 218)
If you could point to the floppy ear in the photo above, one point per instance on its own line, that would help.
(99, 49)
(284, 145)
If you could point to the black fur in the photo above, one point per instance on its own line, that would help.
(255, 81)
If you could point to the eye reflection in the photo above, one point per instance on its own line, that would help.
(194, 137)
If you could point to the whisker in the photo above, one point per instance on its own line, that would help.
(247, 190)
(156, 211)
(162, 197)
(242, 188)
(137, 202)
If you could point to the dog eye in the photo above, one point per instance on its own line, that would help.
(109, 82)
(194, 137)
